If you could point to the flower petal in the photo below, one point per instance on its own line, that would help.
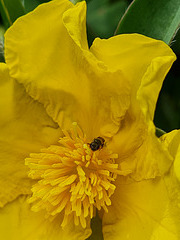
(57, 69)
(143, 210)
(144, 61)
(139, 150)
(172, 141)
(148, 209)
(18, 222)
(151, 159)
(25, 127)
(32, 54)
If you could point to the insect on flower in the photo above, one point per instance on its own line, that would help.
(97, 143)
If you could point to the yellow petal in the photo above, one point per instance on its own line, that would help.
(18, 222)
(144, 61)
(33, 46)
(57, 68)
(171, 140)
(139, 150)
(152, 81)
(148, 209)
(25, 127)
(143, 210)
(6, 92)
(151, 159)
(177, 163)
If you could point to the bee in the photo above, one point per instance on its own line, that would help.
(97, 143)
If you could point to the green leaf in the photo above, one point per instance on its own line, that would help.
(103, 16)
(158, 19)
(29, 5)
(10, 10)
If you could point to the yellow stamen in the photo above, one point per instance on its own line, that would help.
(72, 179)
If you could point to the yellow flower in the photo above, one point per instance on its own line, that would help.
(58, 98)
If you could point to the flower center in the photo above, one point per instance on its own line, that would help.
(72, 178)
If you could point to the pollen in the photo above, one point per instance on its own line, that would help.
(72, 180)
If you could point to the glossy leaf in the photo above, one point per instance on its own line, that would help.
(10, 10)
(29, 5)
(103, 16)
(158, 19)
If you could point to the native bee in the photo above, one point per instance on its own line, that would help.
(97, 143)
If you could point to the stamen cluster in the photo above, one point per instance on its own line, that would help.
(72, 179)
